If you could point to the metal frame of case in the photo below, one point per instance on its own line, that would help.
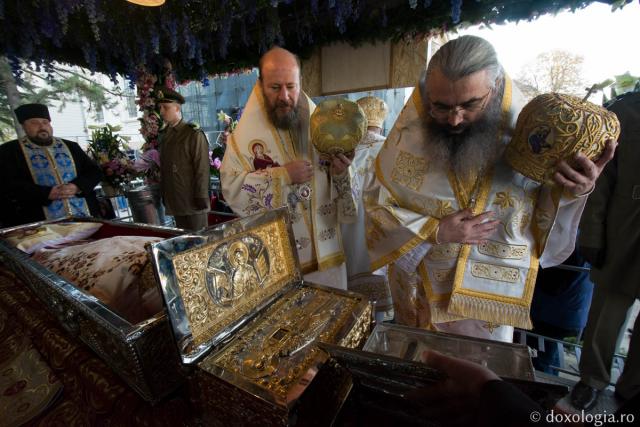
(142, 354)
(404, 342)
(227, 396)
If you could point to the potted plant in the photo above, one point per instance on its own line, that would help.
(108, 148)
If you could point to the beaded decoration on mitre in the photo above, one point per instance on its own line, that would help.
(375, 109)
(554, 127)
(337, 126)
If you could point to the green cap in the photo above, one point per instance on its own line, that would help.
(164, 94)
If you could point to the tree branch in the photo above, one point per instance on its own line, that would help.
(60, 72)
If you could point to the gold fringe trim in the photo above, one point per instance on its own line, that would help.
(500, 313)
(440, 314)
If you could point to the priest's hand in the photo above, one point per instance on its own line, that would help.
(299, 171)
(56, 192)
(581, 180)
(340, 163)
(465, 227)
(69, 190)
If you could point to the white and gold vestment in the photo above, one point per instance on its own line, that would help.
(317, 207)
(467, 289)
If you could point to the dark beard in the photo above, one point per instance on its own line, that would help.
(288, 121)
(41, 141)
(474, 149)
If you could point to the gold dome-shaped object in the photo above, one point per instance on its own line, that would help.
(554, 127)
(375, 109)
(337, 126)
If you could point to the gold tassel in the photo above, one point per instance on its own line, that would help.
(500, 313)
(440, 313)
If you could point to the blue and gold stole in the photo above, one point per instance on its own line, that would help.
(50, 166)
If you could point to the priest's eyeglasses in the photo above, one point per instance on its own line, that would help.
(443, 111)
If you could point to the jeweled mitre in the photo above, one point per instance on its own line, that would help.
(337, 126)
(375, 109)
(554, 127)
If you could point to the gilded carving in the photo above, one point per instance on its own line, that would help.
(225, 279)
(276, 352)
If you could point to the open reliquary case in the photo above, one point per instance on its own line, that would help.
(240, 311)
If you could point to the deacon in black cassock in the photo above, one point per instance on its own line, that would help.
(43, 177)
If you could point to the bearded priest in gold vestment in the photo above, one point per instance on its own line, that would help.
(271, 162)
(463, 233)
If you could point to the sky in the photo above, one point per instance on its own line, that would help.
(608, 41)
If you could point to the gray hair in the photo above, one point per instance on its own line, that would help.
(464, 56)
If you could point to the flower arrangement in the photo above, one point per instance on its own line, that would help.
(151, 122)
(108, 148)
(216, 155)
(229, 125)
(149, 165)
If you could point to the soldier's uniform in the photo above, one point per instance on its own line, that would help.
(184, 169)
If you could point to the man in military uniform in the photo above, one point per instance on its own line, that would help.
(44, 177)
(184, 164)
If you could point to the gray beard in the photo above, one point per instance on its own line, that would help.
(474, 150)
(286, 122)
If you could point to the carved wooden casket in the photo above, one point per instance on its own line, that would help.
(141, 352)
(242, 315)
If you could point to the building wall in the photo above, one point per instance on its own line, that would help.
(204, 102)
(73, 121)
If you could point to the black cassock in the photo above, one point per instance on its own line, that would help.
(22, 199)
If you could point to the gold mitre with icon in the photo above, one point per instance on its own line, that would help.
(554, 127)
(337, 126)
(375, 109)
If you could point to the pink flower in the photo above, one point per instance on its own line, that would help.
(217, 163)
(151, 156)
